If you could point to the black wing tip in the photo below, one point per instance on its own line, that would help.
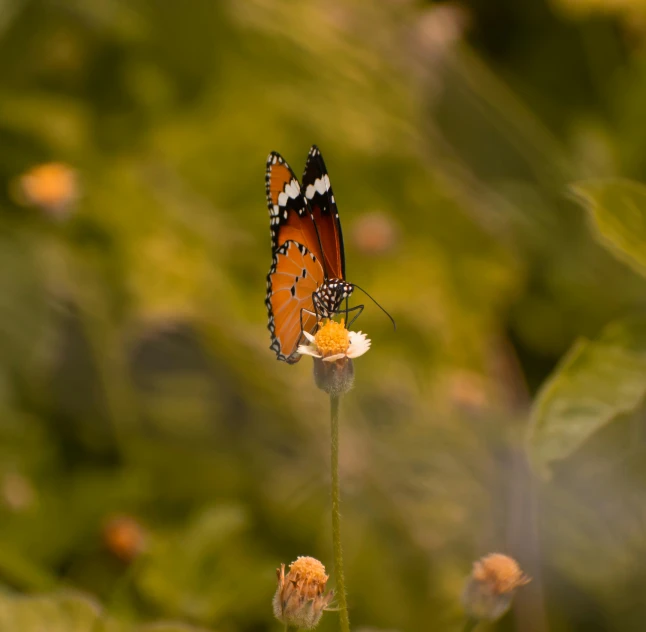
(274, 157)
(316, 155)
(281, 357)
(293, 359)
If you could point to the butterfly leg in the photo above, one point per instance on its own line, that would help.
(309, 313)
(356, 308)
(319, 310)
(347, 311)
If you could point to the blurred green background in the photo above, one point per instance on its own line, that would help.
(156, 459)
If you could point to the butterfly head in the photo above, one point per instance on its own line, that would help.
(329, 296)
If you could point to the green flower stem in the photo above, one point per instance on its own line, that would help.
(336, 516)
(470, 625)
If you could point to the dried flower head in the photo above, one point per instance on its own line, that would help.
(490, 589)
(52, 187)
(299, 601)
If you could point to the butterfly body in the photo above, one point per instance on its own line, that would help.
(306, 281)
(329, 297)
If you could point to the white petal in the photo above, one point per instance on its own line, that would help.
(309, 350)
(308, 335)
(332, 358)
(359, 344)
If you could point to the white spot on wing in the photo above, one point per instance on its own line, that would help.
(293, 189)
(321, 185)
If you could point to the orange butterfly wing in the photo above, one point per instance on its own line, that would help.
(325, 215)
(292, 279)
(290, 217)
(296, 271)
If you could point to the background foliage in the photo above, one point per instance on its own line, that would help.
(154, 457)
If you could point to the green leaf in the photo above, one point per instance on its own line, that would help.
(617, 208)
(597, 381)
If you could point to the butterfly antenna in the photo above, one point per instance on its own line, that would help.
(392, 320)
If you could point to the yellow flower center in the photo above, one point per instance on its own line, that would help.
(332, 338)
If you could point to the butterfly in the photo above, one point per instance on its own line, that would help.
(306, 281)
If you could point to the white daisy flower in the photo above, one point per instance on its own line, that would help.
(334, 342)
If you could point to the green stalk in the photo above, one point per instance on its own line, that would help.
(336, 516)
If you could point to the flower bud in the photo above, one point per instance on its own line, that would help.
(299, 601)
(124, 537)
(53, 187)
(490, 588)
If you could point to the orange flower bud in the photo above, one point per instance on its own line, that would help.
(124, 537)
(299, 601)
(490, 589)
(53, 187)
